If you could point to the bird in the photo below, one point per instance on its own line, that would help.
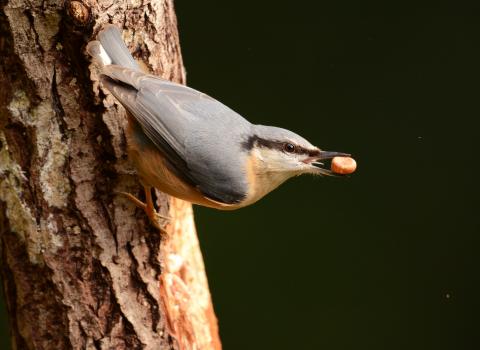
(191, 146)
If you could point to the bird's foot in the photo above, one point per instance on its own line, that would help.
(148, 208)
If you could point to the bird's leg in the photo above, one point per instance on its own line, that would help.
(150, 209)
(147, 207)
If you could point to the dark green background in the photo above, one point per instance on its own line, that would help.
(389, 258)
(386, 259)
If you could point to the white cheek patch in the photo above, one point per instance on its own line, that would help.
(270, 169)
(267, 157)
(271, 160)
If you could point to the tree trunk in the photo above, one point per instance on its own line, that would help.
(82, 268)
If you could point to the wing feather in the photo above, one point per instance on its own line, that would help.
(189, 127)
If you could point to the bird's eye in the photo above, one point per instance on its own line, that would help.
(288, 147)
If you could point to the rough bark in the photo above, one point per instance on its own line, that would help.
(81, 267)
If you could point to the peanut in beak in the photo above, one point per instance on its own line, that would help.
(343, 165)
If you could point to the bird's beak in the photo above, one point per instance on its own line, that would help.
(322, 162)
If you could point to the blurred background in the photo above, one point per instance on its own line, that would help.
(388, 258)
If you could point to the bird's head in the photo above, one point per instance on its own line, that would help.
(282, 153)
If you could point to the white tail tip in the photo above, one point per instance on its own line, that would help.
(96, 50)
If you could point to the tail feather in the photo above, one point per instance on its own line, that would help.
(110, 49)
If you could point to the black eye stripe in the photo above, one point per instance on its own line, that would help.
(279, 145)
(300, 150)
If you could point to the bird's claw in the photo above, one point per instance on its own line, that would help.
(148, 208)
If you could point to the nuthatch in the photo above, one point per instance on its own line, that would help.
(193, 147)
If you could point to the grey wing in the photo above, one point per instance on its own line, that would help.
(200, 137)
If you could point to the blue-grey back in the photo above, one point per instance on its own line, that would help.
(201, 137)
(207, 135)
